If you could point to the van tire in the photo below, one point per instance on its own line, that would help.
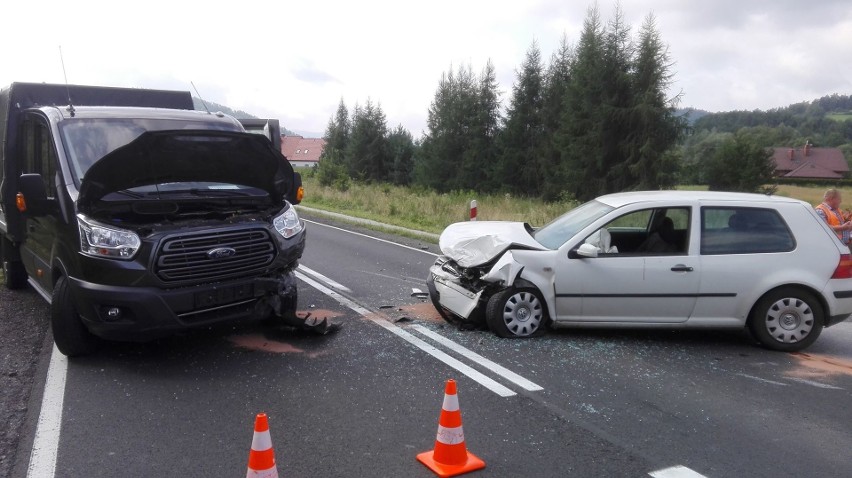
(70, 335)
(14, 275)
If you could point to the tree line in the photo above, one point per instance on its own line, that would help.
(594, 119)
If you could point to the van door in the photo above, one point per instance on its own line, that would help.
(39, 156)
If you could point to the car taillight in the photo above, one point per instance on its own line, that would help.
(844, 268)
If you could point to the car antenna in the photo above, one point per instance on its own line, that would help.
(67, 89)
(200, 98)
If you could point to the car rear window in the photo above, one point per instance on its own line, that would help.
(744, 230)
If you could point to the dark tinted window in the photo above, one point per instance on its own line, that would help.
(39, 155)
(739, 230)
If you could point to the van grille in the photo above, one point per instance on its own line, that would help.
(185, 257)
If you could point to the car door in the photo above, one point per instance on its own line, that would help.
(632, 283)
(39, 157)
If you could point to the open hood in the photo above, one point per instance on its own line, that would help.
(475, 243)
(157, 157)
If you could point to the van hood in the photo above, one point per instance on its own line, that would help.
(472, 244)
(157, 157)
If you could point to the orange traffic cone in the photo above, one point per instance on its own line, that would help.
(450, 456)
(261, 463)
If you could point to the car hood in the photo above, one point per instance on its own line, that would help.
(472, 244)
(157, 157)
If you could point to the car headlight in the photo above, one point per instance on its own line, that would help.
(288, 224)
(101, 241)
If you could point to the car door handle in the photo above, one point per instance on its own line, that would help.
(681, 268)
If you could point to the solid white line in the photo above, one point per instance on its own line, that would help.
(773, 382)
(813, 383)
(46, 441)
(470, 354)
(372, 237)
(332, 283)
(676, 472)
(473, 374)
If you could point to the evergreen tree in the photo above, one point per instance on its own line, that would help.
(654, 125)
(367, 155)
(332, 165)
(580, 133)
(523, 133)
(480, 154)
(556, 81)
(401, 151)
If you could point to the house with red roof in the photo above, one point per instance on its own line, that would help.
(302, 152)
(809, 162)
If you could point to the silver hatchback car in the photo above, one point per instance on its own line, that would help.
(672, 259)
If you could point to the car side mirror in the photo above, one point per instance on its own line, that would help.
(31, 198)
(585, 250)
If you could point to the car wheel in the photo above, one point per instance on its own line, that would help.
(14, 275)
(787, 319)
(71, 336)
(516, 313)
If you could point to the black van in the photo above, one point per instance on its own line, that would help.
(134, 215)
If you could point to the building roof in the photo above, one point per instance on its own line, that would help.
(823, 163)
(297, 148)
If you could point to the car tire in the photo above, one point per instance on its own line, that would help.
(14, 275)
(788, 319)
(516, 313)
(70, 335)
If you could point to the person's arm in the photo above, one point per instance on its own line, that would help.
(846, 226)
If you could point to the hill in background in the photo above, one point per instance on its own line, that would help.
(238, 114)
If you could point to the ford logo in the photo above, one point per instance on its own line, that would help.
(221, 252)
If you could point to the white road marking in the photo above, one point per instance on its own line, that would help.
(371, 237)
(46, 441)
(773, 382)
(325, 279)
(813, 383)
(470, 354)
(676, 472)
(473, 374)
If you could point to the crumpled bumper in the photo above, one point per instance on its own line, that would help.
(446, 288)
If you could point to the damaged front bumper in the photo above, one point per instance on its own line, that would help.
(447, 287)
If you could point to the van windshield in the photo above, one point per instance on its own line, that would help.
(87, 140)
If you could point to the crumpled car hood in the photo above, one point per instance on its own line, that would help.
(472, 244)
(189, 155)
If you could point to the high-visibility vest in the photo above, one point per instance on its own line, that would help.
(833, 218)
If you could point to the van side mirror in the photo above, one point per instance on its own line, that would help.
(297, 191)
(585, 250)
(31, 198)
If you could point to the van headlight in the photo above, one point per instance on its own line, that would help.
(288, 223)
(100, 241)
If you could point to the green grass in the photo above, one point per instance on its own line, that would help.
(426, 210)
(839, 116)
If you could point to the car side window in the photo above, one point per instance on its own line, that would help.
(659, 231)
(744, 230)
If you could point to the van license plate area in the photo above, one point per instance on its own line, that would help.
(223, 295)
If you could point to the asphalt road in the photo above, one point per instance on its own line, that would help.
(365, 400)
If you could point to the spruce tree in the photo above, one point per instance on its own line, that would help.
(556, 81)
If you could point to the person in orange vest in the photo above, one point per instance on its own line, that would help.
(829, 211)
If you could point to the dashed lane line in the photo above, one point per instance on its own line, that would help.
(465, 369)
(676, 472)
(334, 284)
(479, 359)
(764, 380)
(814, 383)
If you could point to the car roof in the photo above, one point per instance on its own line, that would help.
(142, 113)
(623, 199)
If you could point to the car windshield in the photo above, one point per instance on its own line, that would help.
(87, 140)
(564, 227)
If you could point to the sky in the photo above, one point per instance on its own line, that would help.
(296, 60)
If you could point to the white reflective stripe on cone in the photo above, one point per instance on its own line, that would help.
(270, 473)
(261, 441)
(451, 403)
(450, 436)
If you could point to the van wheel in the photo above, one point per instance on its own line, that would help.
(516, 313)
(14, 275)
(787, 319)
(72, 338)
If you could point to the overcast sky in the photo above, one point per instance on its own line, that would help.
(295, 60)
